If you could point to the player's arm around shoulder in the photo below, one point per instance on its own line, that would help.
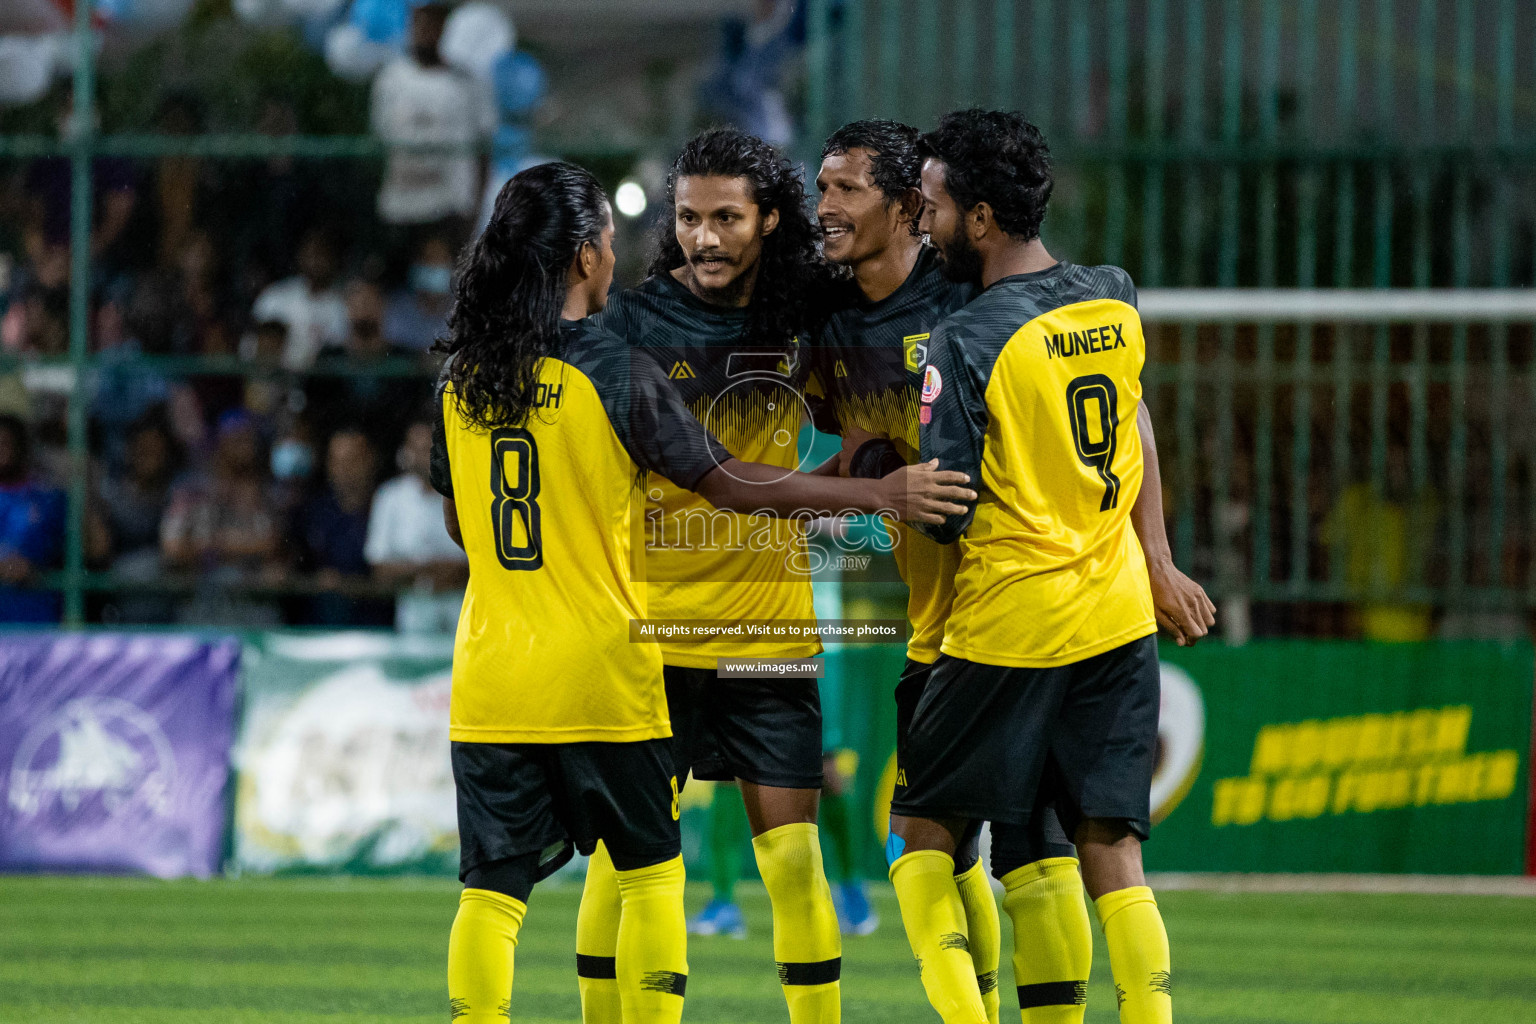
(662, 436)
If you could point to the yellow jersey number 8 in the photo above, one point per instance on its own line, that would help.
(518, 503)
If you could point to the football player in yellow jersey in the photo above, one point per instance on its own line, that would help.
(546, 429)
(867, 358)
(1047, 687)
(731, 292)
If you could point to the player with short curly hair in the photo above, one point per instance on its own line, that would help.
(1045, 694)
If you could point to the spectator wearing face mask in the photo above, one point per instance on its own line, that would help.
(417, 314)
(372, 392)
(420, 100)
(408, 546)
(31, 529)
(310, 304)
(293, 465)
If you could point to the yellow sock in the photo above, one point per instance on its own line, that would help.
(1052, 940)
(934, 917)
(984, 930)
(597, 941)
(653, 944)
(1138, 955)
(480, 948)
(806, 940)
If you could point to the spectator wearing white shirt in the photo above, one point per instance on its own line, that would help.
(419, 100)
(311, 304)
(408, 545)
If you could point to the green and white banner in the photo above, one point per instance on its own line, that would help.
(1282, 756)
(342, 761)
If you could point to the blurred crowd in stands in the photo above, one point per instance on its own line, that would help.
(286, 482)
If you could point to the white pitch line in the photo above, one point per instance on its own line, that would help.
(1437, 885)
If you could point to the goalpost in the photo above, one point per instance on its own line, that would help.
(1346, 446)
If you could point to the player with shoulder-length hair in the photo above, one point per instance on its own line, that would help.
(546, 428)
(1045, 694)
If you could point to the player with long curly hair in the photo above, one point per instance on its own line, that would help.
(736, 282)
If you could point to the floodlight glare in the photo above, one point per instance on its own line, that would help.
(630, 199)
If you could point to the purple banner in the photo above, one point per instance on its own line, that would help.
(114, 751)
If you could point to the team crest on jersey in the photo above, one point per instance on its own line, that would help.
(933, 383)
(915, 351)
(682, 371)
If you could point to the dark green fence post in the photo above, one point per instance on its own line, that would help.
(82, 203)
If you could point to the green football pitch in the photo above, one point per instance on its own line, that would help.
(306, 951)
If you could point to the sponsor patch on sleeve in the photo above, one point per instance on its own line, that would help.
(933, 383)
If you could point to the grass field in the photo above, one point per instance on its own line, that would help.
(305, 951)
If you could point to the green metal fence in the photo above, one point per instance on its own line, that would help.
(1365, 447)
(1216, 143)
(1374, 459)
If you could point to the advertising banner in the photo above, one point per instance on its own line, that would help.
(114, 751)
(342, 760)
(1296, 756)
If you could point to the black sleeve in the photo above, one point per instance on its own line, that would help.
(875, 459)
(614, 316)
(440, 473)
(1126, 288)
(953, 427)
(650, 419)
(823, 414)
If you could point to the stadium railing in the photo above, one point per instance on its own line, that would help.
(1349, 446)
(1381, 143)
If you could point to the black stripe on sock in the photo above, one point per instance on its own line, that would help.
(954, 940)
(1053, 993)
(669, 982)
(823, 972)
(601, 968)
(987, 982)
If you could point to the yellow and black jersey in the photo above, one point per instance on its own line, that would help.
(868, 361)
(1033, 389)
(702, 562)
(551, 513)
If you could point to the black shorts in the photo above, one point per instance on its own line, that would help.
(521, 798)
(766, 731)
(1013, 846)
(984, 740)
